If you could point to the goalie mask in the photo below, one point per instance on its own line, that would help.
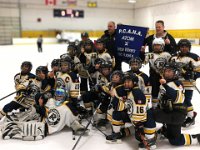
(130, 81)
(60, 96)
(158, 45)
(26, 67)
(135, 63)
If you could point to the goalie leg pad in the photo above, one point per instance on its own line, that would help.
(33, 131)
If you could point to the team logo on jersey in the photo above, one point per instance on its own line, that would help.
(160, 63)
(129, 107)
(34, 90)
(60, 83)
(53, 117)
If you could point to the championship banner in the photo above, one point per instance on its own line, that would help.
(129, 40)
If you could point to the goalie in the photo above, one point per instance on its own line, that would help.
(26, 125)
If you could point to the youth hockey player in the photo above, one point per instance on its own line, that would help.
(172, 110)
(102, 53)
(144, 84)
(21, 77)
(58, 115)
(191, 71)
(130, 105)
(156, 59)
(28, 89)
(68, 80)
(87, 58)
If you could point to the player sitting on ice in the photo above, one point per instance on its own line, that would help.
(28, 89)
(58, 114)
(130, 106)
(190, 72)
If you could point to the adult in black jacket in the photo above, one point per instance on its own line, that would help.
(109, 40)
(170, 43)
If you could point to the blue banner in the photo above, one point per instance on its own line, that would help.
(129, 40)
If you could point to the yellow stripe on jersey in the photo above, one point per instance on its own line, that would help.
(121, 105)
(138, 118)
(189, 108)
(149, 130)
(48, 87)
(187, 139)
(179, 98)
(117, 123)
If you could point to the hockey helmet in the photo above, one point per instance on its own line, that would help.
(184, 42)
(60, 96)
(175, 67)
(42, 69)
(114, 79)
(158, 41)
(28, 64)
(88, 46)
(98, 61)
(135, 63)
(55, 62)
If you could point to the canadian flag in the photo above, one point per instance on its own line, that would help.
(50, 2)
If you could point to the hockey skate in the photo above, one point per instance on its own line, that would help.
(189, 121)
(114, 138)
(197, 136)
(148, 144)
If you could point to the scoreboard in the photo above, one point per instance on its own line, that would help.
(70, 13)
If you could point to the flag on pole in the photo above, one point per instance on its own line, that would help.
(50, 2)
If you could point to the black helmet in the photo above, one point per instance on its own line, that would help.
(55, 62)
(106, 64)
(184, 42)
(175, 67)
(130, 76)
(100, 40)
(136, 60)
(89, 42)
(98, 61)
(119, 73)
(27, 63)
(42, 69)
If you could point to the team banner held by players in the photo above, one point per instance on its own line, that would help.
(129, 40)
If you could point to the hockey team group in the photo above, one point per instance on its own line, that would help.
(87, 85)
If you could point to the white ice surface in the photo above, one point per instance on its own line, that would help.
(11, 58)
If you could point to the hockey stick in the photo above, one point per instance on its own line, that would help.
(98, 129)
(8, 95)
(86, 127)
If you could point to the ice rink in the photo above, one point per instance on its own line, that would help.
(11, 58)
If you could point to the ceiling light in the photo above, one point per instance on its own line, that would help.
(132, 1)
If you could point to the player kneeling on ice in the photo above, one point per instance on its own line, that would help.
(172, 111)
(130, 105)
(58, 115)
